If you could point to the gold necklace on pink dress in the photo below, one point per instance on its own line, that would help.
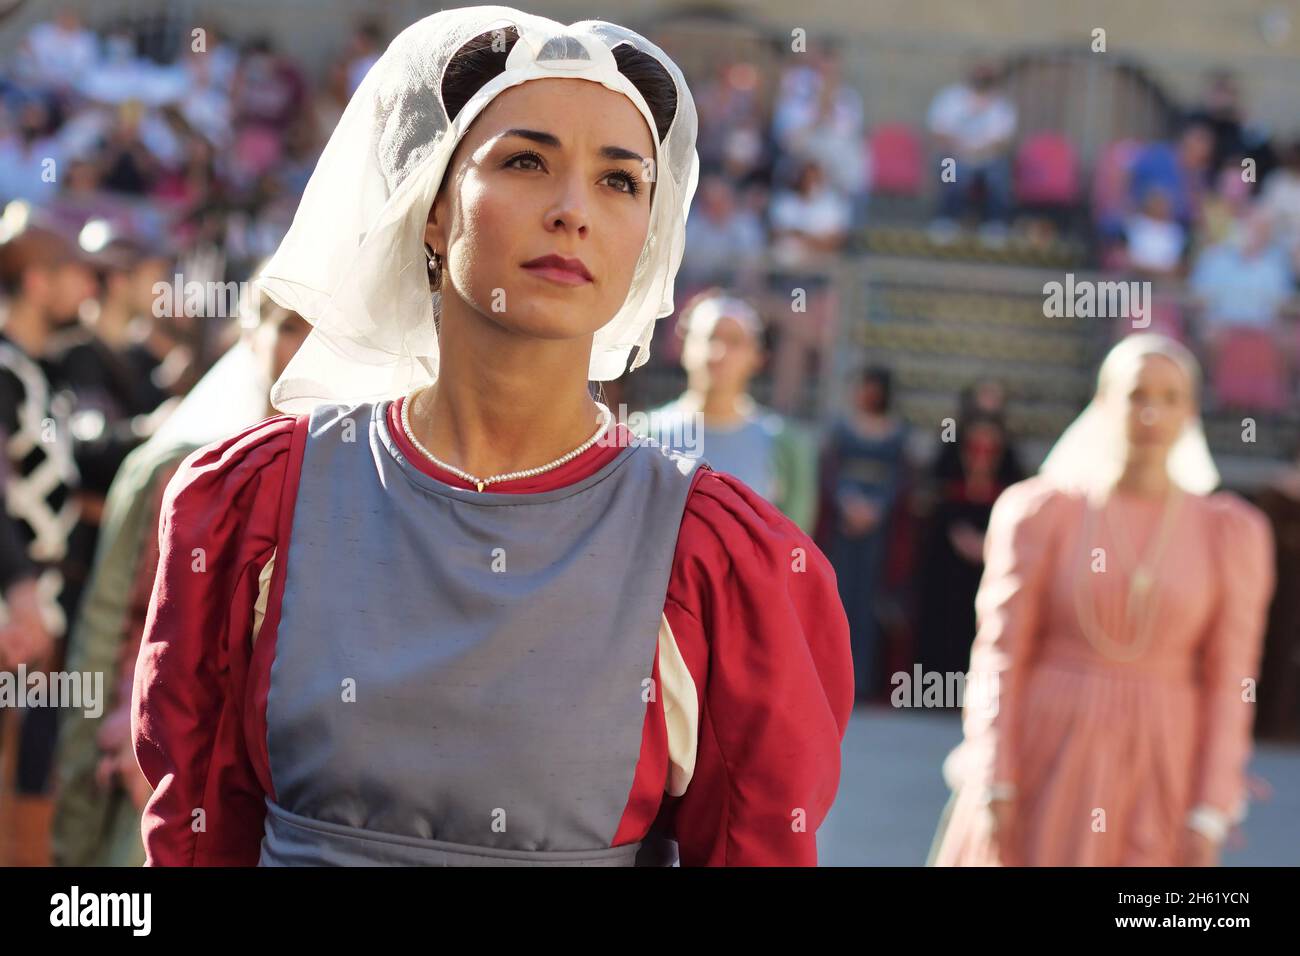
(1139, 608)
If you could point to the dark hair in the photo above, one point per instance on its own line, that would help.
(948, 465)
(882, 376)
(476, 62)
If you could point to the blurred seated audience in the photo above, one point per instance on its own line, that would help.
(1179, 168)
(1155, 240)
(974, 123)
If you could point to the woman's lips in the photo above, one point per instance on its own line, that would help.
(562, 276)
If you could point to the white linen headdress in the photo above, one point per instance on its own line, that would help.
(353, 261)
(1089, 455)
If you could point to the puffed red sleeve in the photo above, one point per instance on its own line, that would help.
(754, 609)
(1231, 650)
(216, 531)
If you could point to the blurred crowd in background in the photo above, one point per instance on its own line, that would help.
(130, 158)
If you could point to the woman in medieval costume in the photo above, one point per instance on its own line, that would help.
(1109, 703)
(444, 610)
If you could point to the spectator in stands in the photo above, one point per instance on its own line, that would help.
(209, 76)
(1243, 284)
(120, 74)
(268, 96)
(1281, 197)
(973, 123)
(30, 157)
(1244, 280)
(722, 350)
(1179, 168)
(731, 123)
(735, 135)
(810, 220)
(1235, 139)
(863, 472)
(819, 116)
(364, 49)
(724, 241)
(1224, 207)
(56, 53)
(128, 165)
(328, 103)
(809, 226)
(1155, 240)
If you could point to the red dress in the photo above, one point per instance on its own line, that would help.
(752, 607)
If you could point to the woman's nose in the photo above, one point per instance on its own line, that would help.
(570, 206)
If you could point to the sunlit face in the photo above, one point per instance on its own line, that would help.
(552, 166)
(1159, 404)
(726, 357)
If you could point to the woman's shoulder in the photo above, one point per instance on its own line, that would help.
(729, 524)
(1238, 524)
(224, 469)
(1036, 498)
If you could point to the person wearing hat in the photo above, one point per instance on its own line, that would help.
(43, 280)
(444, 610)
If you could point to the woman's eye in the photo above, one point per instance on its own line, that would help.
(525, 156)
(633, 187)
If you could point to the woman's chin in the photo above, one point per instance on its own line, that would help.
(551, 327)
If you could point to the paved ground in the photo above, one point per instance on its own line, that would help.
(891, 794)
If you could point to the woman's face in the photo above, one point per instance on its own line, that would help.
(575, 186)
(725, 358)
(1159, 404)
(871, 395)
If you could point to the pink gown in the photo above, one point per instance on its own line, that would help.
(1107, 755)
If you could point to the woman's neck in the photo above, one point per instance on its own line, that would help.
(872, 423)
(505, 405)
(1150, 479)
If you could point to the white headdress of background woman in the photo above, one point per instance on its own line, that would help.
(353, 262)
(1090, 453)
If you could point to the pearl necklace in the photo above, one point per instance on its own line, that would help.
(606, 419)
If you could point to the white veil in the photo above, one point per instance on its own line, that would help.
(1089, 453)
(353, 262)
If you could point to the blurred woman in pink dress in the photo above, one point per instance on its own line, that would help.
(1121, 613)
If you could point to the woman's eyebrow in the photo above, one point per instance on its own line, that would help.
(548, 139)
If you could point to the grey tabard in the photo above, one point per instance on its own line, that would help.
(461, 677)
